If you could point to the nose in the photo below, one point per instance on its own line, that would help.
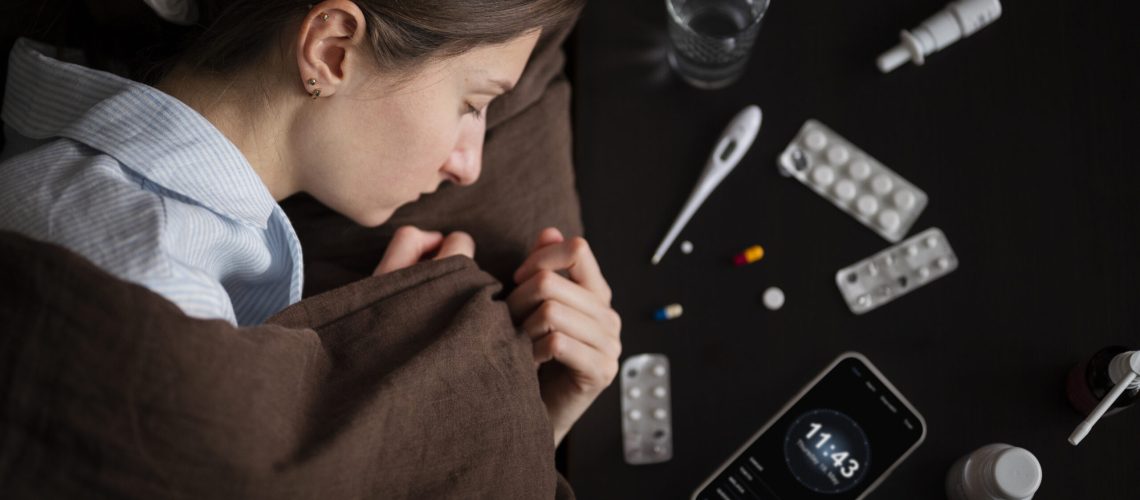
(466, 160)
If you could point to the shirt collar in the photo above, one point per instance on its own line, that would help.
(149, 132)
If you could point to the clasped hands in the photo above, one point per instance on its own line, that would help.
(562, 303)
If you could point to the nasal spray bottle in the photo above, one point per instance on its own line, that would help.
(1105, 384)
(958, 20)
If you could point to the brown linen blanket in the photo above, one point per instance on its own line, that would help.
(413, 385)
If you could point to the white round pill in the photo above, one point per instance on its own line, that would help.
(815, 140)
(865, 300)
(943, 263)
(635, 414)
(889, 220)
(882, 184)
(867, 205)
(659, 370)
(686, 247)
(860, 169)
(845, 190)
(912, 250)
(924, 273)
(823, 175)
(659, 391)
(635, 392)
(660, 414)
(904, 199)
(837, 155)
(931, 242)
(773, 298)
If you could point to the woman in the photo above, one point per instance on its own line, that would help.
(364, 105)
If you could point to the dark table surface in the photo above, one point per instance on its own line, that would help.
(1023, 135)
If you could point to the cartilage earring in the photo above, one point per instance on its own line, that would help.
(324, 16)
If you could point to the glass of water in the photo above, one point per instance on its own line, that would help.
(713, 38)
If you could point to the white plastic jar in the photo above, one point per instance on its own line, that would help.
(994, 472)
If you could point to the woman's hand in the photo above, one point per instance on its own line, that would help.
(576, 333)
(410, 245)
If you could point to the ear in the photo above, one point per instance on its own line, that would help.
(331, 36)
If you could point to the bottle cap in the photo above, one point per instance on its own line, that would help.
(1016, 473)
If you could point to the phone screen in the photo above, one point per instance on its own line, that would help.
(836, 442)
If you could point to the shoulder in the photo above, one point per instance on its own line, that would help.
(70, 194)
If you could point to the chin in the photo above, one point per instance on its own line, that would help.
(374, 219)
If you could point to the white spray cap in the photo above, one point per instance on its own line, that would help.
(958, 20)
(1124, 364)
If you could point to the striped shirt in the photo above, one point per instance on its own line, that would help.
(144, 187)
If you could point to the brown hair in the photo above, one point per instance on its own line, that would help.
(403, 33)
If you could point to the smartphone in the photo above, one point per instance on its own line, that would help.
(838, 439)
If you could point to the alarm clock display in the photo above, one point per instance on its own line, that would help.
(837, 439)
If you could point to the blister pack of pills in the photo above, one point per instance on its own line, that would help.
(853, 181)
(896, 271)
(646, 414)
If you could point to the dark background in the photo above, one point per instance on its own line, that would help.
(1023, 136)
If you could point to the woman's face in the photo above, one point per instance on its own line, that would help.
(380, 141)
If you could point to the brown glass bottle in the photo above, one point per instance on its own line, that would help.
(1089, 382)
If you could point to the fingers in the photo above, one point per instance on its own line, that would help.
(592, 369)
(408, 246)
(457, 243)
(549, 285)
(548, 236)
(600, 334)
(573, 255)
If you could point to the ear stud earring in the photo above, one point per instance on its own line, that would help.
(324, 16)
(312, 81)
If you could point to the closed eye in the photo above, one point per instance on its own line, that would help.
(472, 110)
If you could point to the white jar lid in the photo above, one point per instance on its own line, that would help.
(1016, 473)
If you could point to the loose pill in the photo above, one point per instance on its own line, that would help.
(773, 298)
(686, 247)
(668, 312)
(749, 255)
